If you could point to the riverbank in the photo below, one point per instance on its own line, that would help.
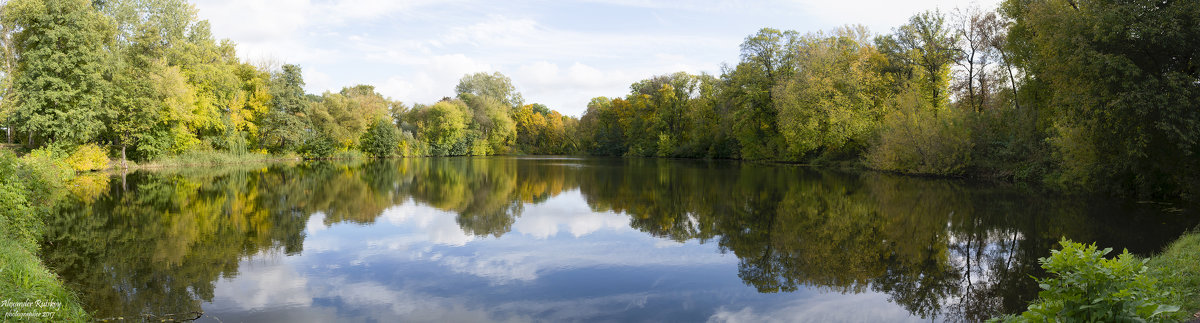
(1178, 268)
(30, 186)
(28, 290)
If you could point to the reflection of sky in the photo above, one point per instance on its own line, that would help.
(561, 262)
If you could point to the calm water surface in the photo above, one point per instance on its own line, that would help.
(570, 239)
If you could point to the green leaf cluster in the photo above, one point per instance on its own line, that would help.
(1084, 286)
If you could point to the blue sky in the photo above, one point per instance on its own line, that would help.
(560, 53)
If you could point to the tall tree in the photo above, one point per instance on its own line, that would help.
(8, 65)
(1120, 78)
(344, 116)
(60, 55)
(924, 45)
(767, 60)
(148, 97)
(284, 126)
(494, 85)
(837, 97)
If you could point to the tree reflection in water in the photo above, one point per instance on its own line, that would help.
(939, 248)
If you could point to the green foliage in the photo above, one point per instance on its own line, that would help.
(284, 125)
(837, 98)
(381, 139)
(88, 158)
(1085, 286)
(919, 139)
(768, 59)
(1178, 270)
(601, 129)
(443, 126)
(17, 219)
(495, 85)
(318, 146)
(23, 206)
(45, 173)
(923, 49)
(1008, 146)
(345, 116)
(60, 51)
(1117, 82)
(491, 117)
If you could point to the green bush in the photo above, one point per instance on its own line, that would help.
(380, 140)
(408, 146)
(17, 219)
(317, 146)
(45, 174)
(23, 277)
(919, 139)
(1086, 287)
(88, 158)
(1007, 145)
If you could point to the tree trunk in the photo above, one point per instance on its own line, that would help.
(1012, 80)
(971, 79)
(123, 165)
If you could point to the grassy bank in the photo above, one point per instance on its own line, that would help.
(30, 187)
(1178, 268)
(205, 158)
(28, 290)
(213, 158)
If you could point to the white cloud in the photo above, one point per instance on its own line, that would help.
(436, 226)
(822, 308)
(880, 15)
(416, 51)
(567, 210)
(316, 223)
(266, 281)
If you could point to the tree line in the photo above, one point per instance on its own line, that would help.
(1098, 94)
(147, 79)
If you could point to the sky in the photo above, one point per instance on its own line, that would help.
(559, 53)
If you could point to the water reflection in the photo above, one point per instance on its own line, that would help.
(276, 238)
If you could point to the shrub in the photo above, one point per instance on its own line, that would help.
(17, 220)
(1086, 287)
(666, 145)
(409, 146)
(919, 139)
(380, 140)
(45, 173)
(88, 158)
(481, 147)
(317, 146)
(1008, 145)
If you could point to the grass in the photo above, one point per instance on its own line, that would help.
(27, 287)
(206, 158)
(1178, 268)
(29, 292)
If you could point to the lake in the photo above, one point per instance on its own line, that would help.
(570, 239)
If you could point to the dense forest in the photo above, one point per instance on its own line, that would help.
(1094, 94)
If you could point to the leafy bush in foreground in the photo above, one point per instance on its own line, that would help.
(1086, 287)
